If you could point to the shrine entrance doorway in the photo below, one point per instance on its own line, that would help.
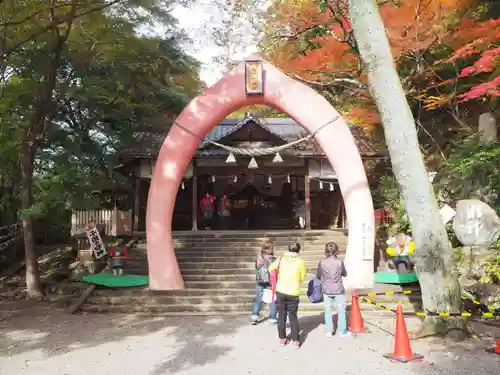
(255, 81)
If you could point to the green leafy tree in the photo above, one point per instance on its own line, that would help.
(60, 62)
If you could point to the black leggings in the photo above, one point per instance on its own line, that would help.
(288, 305)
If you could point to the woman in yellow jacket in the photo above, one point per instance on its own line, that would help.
(291, 273)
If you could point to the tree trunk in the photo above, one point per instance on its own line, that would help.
(440, 288)
(41, 118)
(33, 284)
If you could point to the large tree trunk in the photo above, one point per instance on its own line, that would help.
(440, 288)
(33, 284)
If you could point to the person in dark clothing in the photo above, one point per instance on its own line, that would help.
(225, 212)
(330, 271)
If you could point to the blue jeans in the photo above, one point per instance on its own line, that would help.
(257, 303)
(337, 301)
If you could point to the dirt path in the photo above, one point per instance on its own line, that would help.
(36, 338)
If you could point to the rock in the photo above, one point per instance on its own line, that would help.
(487, 294)
(90, 266)
(476, 223)
(78, 272)
(469, 263)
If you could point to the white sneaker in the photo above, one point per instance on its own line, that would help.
(329, 334)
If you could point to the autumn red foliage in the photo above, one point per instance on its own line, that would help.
(316, 44)
(478, 39)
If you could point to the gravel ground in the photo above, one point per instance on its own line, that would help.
(38, 339)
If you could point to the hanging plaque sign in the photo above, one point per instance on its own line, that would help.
(96, 243)
(254, 77)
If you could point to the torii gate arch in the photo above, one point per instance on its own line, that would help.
(305, 106)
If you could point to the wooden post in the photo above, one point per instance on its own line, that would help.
(194, 201)
(137, 205)
(307, 188)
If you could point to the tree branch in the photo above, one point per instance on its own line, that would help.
(278, 38)
(332, 82)
(53, 24)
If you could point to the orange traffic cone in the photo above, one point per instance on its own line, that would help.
(495, 350)
(402, 349)
(356, 323)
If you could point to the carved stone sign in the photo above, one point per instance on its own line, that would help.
(367, 250)
(254, 77)
(476, 223)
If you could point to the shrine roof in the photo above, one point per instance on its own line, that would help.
(147, 144)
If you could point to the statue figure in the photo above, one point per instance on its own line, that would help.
(399, 250)
(118, 256)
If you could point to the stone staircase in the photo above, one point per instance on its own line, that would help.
(218, 272)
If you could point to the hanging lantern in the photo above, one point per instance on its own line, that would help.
(183, 186)
(288, 179)
(231, 159)
(321, 185)
(235, 180)
(269, 180)
(253, 164)
(213, 178)
(331, 187)
(277, 158)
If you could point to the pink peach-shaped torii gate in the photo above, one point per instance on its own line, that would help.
(305, 106)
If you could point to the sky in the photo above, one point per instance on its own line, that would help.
(200, 22)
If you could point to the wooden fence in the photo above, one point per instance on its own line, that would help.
(10, 238)
(116, 222)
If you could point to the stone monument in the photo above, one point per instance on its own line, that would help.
(476, 226)
(476, 223)
(487, 127)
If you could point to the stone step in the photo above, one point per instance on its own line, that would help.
(282, 238)
(194, 297)
(219, 271)
(219, 264)
(208, 254)
(258, 242)
(226, 248)
(246, 246)
(142, 269)
(206, 299)
(213, 258)
(141, 291)
(249, 276)
(243, 308)
(238, 258)
(259, 234)
(237, 283)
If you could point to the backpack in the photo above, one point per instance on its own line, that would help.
(208, 204)
(315, 291)
(262, 275)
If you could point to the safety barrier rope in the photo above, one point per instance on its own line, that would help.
(491, 314)
(461, 314)
(257, 151)
(375, 303)
(390, 293)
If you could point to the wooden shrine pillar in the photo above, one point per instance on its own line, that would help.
(137, 204)
(307, 192)
(194, 203)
